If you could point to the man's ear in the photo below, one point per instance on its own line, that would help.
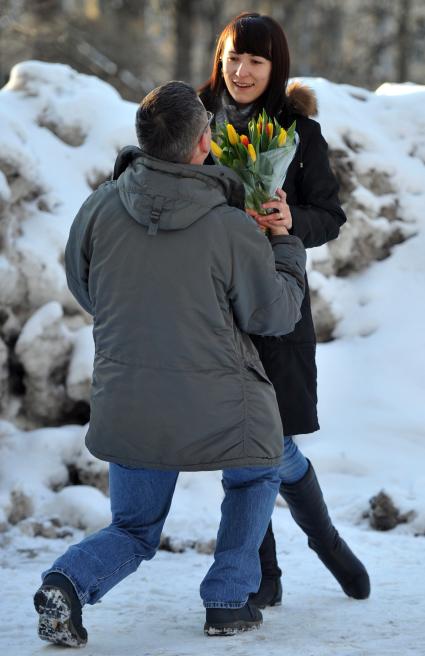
(204, 143)
(201, 149)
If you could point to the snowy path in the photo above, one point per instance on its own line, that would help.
(157, 611)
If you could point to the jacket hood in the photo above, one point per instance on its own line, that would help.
(302, 99)
(172, 196)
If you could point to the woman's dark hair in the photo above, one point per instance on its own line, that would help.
(257, 35)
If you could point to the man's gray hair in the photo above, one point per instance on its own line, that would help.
(169, 122)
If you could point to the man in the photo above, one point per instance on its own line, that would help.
(175, 274)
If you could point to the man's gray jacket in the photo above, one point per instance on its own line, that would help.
(175, 274)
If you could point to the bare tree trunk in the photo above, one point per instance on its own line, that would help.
(212, 15)
(330, 49)
(403, 40)
(44, 9)
(44, 29)
(184, 13)
(381, 48)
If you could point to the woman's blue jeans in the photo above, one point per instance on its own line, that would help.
(140, 502)
(294, 464)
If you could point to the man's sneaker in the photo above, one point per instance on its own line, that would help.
(229, 621)
(269, 593)
(59, 610)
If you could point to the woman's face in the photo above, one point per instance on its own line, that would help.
(246, 76)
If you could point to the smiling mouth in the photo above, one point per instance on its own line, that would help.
(243, 86)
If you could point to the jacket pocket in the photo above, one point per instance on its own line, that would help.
(258, 370)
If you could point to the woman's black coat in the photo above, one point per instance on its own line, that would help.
(312, 194)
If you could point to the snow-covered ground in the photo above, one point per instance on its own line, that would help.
(371, 405)
(157, 611)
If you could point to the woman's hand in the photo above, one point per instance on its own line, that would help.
(280, 222)
(282, 215)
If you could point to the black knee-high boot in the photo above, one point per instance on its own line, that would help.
(270, 590)
(308, 508)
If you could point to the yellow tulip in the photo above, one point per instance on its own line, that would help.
(282, 137)
(216, 150)
(232, 134)
(251, 152)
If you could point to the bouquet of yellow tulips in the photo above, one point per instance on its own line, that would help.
(261, 158)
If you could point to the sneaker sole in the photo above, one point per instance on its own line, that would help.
(54, 623)
(230, 629)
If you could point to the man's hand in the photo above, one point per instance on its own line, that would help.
(278, 231)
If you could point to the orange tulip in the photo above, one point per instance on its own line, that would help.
(244, 140)
(269, 130)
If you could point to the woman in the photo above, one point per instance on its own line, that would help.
(251, 71)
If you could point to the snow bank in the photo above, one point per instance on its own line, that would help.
(62, 132)
(37, 472)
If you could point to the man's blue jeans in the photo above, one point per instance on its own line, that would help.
(140, 502)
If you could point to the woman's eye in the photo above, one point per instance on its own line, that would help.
(232, 58)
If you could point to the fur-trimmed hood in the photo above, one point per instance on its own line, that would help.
(302, 99)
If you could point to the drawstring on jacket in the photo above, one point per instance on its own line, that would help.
(157, 206)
